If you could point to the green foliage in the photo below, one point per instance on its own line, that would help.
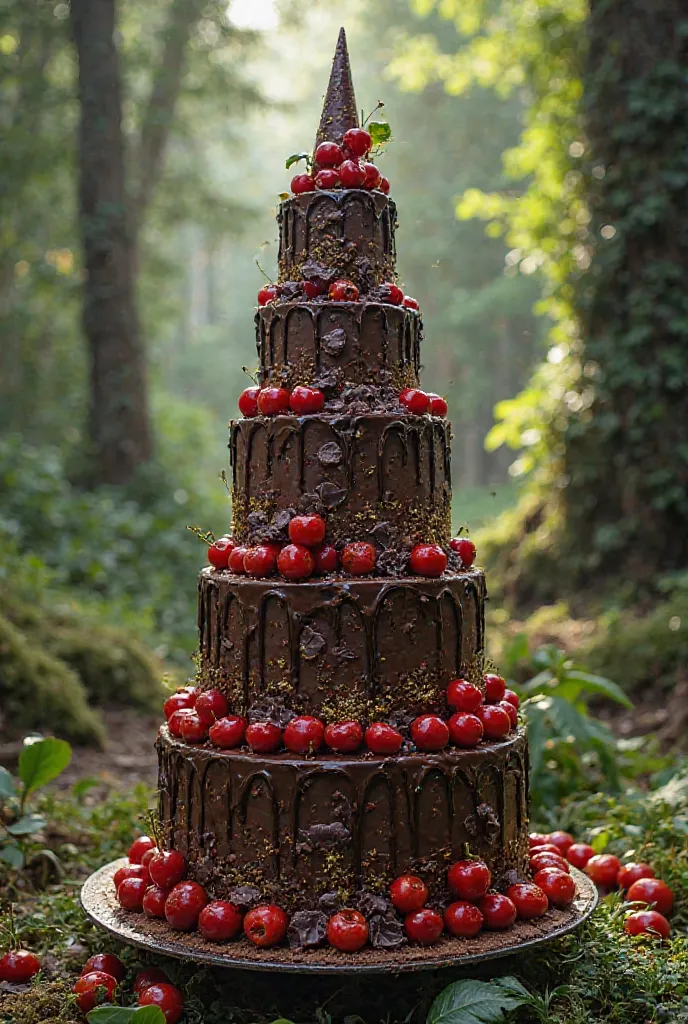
(477, 1002)
(40, 762)
(126, 1015)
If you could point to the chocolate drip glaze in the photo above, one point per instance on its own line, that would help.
(362, 343)
(328, 235)
(364, 470)
(299, 829)
(340, 648)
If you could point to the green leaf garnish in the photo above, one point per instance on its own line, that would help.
(295, 157)
(380, 132)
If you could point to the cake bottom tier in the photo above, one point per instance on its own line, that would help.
(301, 831)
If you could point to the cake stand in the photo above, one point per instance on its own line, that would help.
(99, 901)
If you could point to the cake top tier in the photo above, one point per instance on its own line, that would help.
(339, 112)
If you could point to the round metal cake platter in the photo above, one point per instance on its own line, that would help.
(99, 901)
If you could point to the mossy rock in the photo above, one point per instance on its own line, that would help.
(37, 690)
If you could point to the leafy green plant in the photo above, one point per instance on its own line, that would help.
(485, 1002)
(126, 1015)
(40, 761)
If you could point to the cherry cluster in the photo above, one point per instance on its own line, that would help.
(420, 403)
(342, 166)
(197, 717)
(341, 290)
(307, 554)
(104, 973)
(270, 400)
(555, 851)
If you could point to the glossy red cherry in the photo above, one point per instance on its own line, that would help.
(515, 700)
(499, 913)
(312, 289)
(268, 293)
(424, 926)
(19, 966)
(261, 560)
(266, 925)
(464, 696)
(248, 401)
(579, 854)
(304, 400)
(540, 860)
(357, 141)
(372, 176)
(149, 976)
(537, 839)
(154, 900)
(463, 919)
(558, 886)
(384, 185)
(301, 183)
(415, 400)
(181, 701)
(408, 893)
(328, 154)
(307, 530)
(560, 839)
(264, 737)
(392, 293)
(211, 705)
(166, 997)
(352, 174)
(228, 732)
(167, 868)
(138, 848)
(358, 558)
(347, 931)
(130, 871)
(183, 905)
(647, 922)
(547, 848)
(106, 962)
(495, 687)
(465, 549)
(220, 921)
(511, 712)
(193, 728)
(496, 722)
(652, 891)
(175, 720)
(469, 879)
(327, 178)
(465, 730)
(304, 735)
(147, 858)
(273, 400)
(382, 738)
(236, 560)
(130, 893)
(343, 291)
(603, 868)
(409, 301)
(326, 559)
(93, 989)
(630, 873)
(344, 737)
(429, 732)
(428, 560)
(295, 562)
(529, 900)
(438, 405)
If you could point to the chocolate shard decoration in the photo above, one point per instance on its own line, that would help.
(339, 111)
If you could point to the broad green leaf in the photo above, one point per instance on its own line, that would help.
(380, 132)
(109, 1014)
(598, 684)
(149, 1015)
(12, 855)
(43, 761)
(477, 1002)
(295, 157)
(7, 786)
(539, 683)
(27, 825)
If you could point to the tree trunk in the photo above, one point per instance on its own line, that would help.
(119, 420)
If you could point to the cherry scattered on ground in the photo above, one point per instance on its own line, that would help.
(166, 997)
(647, 922)
(93, 989)
(630, 873)
(652, 891)
(19, 966)
(106, 962)
(603, 868)
(149, 976)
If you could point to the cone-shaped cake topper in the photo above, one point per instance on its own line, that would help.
(339, 109)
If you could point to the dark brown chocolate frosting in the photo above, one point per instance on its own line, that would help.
(339, 111)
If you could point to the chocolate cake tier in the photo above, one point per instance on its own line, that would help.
(383, 477)
(347, 233)
(303, 830)
(339, 344)
(339, 648)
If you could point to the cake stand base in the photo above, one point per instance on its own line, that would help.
(98, 899)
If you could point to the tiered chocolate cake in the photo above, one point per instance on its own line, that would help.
(370, 624)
